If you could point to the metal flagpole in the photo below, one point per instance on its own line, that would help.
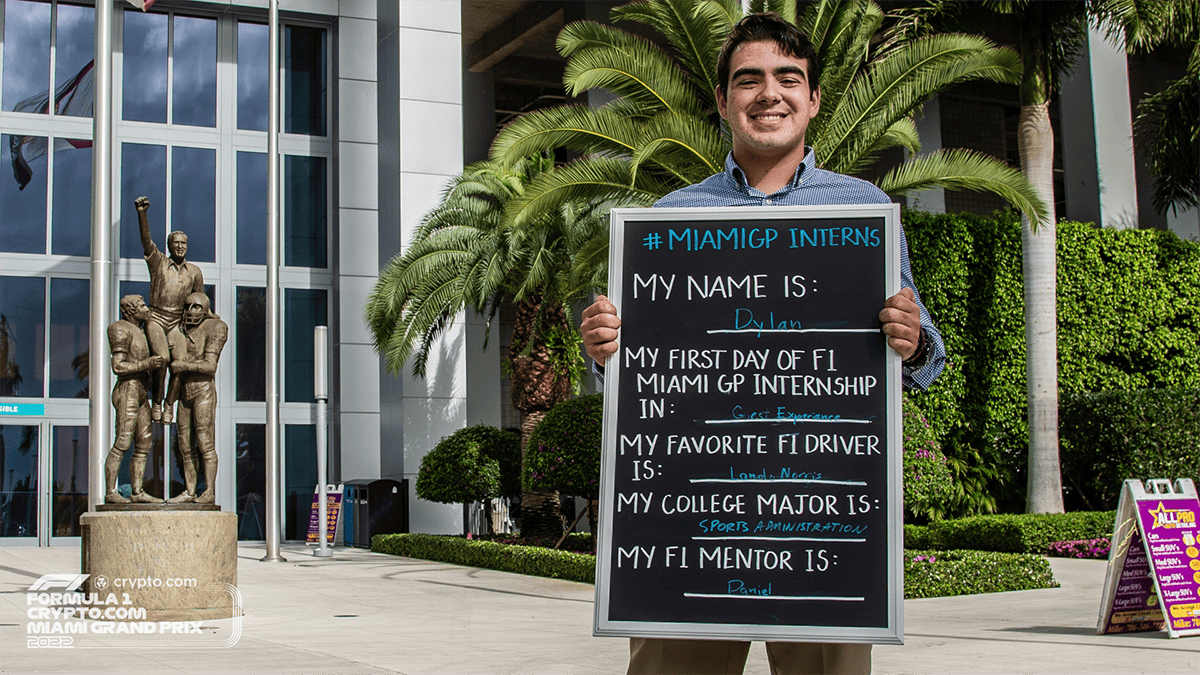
(272, 450)
(321, 394)
(100, 377)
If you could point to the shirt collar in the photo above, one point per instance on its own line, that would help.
(807, 164)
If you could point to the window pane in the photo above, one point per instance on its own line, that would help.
(71, 227)
(125, 288)
(252, 208)
(144, 83)
(194, 200)
(70, 479)
(251, 365)
(22, 335)
(252, 67)
(23, 195)
(303, 310)
(251, 480)
(304, 89)
(26, 56)
(74, 50)
(304, 211)
(69, 338)
(143, 172)
(300, 443)
(18, 484)
(194, 63)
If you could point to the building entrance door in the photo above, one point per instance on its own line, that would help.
(45, 482)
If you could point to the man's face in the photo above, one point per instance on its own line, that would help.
(767, 101)
(178, 246)
(141, 313)
(193, 314)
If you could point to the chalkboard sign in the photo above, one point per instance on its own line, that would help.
(751, 481)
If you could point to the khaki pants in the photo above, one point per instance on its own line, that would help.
(655, 656)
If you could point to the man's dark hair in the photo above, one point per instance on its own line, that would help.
(769, 27)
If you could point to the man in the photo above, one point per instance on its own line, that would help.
(171, 280)
(132, 363)
(196, 346)
(768, 93)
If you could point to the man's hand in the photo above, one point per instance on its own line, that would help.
(599, 329)
(142, 204)
(901, 322)
(155, 362)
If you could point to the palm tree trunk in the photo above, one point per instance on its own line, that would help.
(541, 515)
(1035, 138)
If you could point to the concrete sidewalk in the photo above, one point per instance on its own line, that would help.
(365, 613)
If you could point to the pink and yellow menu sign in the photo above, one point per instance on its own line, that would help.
(1154, 568)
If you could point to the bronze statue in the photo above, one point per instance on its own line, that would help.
(195, 347)
(133, 364)
(171, 280)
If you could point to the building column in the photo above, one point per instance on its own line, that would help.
(1097, 137)
(356, 422)
(421, 149)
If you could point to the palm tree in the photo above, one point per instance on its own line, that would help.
(1049, 35)
(662, 131)
(465, 256)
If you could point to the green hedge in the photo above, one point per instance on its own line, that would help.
(1128, 318)
(530, 560)
(1013, 533)
(948, 573)
(1111, 436)
(931, 574)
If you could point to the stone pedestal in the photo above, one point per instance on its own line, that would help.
(178, 565)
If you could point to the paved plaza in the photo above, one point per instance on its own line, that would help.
(361, 613)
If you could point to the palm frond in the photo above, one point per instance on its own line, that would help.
(631, 67)
(587, 179)
(576, 127)
(895, 86)
(689, 148)
(842, 54)
(691, 31)
(966, 170)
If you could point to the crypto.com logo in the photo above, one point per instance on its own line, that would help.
(67, 582)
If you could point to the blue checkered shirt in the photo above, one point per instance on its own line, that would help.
(814, 186)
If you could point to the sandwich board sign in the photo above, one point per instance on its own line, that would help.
(1153, 575)
(751, 462)
(333, 515)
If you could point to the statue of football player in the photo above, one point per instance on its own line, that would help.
(196, 346)
(133, 364)
(172, 278)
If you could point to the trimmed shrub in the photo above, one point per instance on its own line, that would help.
(927, 478)
(564, 450)
(1111, 436)
(530, 560)
(930, 574)
(1013, 533)
(1128, 319)
(927, 573)
(472, 464)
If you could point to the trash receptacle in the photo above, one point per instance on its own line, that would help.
(374, 507)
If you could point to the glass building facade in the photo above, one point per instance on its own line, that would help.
(190, 119)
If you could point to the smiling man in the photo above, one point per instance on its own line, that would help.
(769, 92)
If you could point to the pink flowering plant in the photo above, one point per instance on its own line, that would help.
(927, 478)
(1091, 549)
(563, 453)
